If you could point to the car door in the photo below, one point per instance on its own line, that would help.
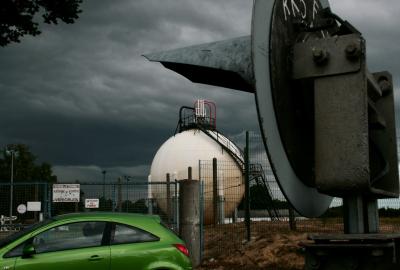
(71, 246)
(132, 248)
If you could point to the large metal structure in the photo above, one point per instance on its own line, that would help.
(327, 122)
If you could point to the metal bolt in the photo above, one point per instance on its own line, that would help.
(320, 56)
(352, 51)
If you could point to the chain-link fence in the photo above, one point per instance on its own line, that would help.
(20, 197)
(223, 204)
(269, 210)
(158, 198)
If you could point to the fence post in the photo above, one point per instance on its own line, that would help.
(234, 215)
(292, 219)
(201, 202)
(36, 198)
(119, 195)
(77, 203)
(149, 196)
(49, 198)
(113, 199)
(189, 218)
(215, 190)
(176, 206)
(168, 199)
(247, 187)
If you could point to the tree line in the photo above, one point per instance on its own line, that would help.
(26, 168)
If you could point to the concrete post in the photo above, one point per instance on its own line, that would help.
(189, 218)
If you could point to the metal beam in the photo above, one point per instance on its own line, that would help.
(224, 63)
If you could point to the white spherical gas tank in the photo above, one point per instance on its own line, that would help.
(185, 150)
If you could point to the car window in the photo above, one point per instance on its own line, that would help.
(70, 236)
(23, 232)
(15, 252)
(124, 234)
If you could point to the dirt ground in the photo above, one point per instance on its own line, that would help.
(272, 245)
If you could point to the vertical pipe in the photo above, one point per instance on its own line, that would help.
(189, 218)
(189, 173)
(247, 187)
(353, 210)
(215, 191)
(168, 199)
(372, 214)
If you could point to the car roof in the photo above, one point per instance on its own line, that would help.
(108, 215)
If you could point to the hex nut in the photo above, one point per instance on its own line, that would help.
(353, 51)
(320, 56)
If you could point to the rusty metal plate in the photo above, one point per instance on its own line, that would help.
(336, 60)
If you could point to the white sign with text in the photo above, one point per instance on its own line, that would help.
(66, 192)
(34, 206)
(92, 203)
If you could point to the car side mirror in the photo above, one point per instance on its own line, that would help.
(28, 251)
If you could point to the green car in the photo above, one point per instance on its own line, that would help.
(98, 241)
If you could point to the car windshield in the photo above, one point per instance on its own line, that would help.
(23, 232)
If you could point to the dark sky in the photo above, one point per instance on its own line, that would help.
(84, 99)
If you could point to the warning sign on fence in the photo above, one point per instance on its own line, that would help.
(92, 203)
(66, 192)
